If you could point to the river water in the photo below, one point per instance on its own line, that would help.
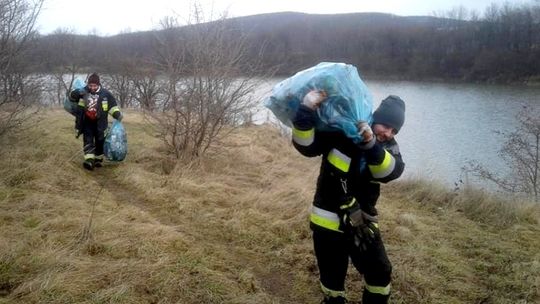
(448, 125)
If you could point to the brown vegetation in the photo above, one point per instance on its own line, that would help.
(232, 227)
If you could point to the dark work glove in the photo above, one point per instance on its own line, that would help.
(374, 154)
(118, 116)
(361, 226)
(82, 92)
(77, 94)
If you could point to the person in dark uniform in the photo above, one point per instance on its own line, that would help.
(344, 218)
(94, 103)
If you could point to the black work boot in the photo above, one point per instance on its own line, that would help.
(89, 164)
(98, 163)
(334, 300)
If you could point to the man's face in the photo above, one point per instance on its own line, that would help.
(383, 133)
(93, 87)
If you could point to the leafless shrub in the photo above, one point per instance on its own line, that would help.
(17, 88)
(146, 88)
(520, 152)
(121, 73)
(62, 63)
(121, 84)
(208, 83)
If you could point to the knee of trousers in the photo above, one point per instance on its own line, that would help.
(386, 272)
(380, 276)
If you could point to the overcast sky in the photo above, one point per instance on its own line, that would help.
(109, 17)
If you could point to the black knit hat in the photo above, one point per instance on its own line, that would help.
(391, 112)
(93, 78)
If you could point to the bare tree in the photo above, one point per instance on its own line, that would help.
(63, 62)
(521, 152)
(145, 83)
(120, 78)
(121, 84)
(208, 83)
(125, 74)
(17, 20)
(456, 13)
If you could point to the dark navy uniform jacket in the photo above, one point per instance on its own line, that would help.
(347, 171)
(102, 101)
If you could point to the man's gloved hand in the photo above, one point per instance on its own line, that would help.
(362, 226)
(82, 92)
(76, 94)
(368, 138)
(119, 116)
(313, 99)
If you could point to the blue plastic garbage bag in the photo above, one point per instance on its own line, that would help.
(349, 100)
(71, 107)
(115, 147)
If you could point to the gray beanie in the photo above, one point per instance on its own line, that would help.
(391, 112)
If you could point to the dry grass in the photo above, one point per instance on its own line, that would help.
(231, 227)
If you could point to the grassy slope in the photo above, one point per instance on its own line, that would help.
(232, 228)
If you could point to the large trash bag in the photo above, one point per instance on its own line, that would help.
(115, 147)
(349, 100)
(71, 107)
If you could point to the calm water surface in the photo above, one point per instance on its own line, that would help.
(448, 125)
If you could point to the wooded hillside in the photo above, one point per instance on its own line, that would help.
(502, 45)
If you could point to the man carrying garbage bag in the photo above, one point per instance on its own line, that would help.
(344, 218)
(94, 103)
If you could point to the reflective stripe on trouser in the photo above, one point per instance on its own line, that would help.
(382, 290)
(339, 160)
(332, 293)
(89, 156)
(303, 138)
(376, 295)
(99, 157)
(385, 168)
(325, 219)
